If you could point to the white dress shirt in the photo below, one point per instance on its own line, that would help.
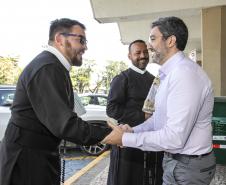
(181, 122)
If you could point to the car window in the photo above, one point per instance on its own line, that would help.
(93, 100)
(102, 101)
(85, 100)
(6, 97)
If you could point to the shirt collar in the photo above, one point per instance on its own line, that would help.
(60, 57)
(170, 64)
(133, 67)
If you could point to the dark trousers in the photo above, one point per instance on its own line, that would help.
(129, 166)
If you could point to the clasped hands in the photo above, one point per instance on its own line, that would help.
(115, 137)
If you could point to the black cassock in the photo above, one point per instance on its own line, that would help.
(42, 115)
(125, 101)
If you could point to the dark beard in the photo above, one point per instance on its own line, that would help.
(73, 60)
(76, 62)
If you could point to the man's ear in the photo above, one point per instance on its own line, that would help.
(58, 39)
(172, 41)
(129, 56)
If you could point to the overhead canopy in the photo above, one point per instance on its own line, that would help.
(134, 16)
(206, 21)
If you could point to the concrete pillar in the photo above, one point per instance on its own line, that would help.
(214, 47)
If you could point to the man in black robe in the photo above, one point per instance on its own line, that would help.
(42, 111)
(128, 91)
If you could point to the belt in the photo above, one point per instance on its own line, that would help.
(30, 139)
(180, 156)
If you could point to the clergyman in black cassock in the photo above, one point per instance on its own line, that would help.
(129, 166)
(42, 112)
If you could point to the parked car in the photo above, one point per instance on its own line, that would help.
(95, 114)
(95, 105)
(93, 99)
(6, 98)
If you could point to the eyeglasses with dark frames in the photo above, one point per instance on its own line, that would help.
(83, 40)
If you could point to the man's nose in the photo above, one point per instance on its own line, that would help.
(150, 48)
(85, 46)
(142, 55)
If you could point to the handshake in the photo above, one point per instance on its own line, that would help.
(115, 137)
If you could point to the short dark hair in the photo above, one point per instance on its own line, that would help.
(62, 25)
(173, 26)
(136, 41)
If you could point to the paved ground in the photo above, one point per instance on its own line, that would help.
(98, 175)
(75, 160)
(220, 176)
(72, 166)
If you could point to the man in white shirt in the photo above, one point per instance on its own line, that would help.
(181, 123)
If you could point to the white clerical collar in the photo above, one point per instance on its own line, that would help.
(60, 57)
(137, 69)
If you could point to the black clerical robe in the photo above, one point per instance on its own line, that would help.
(42, 115)
(125, 101)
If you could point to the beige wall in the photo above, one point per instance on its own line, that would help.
(213, 46)
(223, 52)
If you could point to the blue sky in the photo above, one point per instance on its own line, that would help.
(25, 26)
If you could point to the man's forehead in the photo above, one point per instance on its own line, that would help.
(154, 31)
(78, 30)
(138, 46)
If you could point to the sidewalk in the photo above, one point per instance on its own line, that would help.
(92, 172)
(97, 175)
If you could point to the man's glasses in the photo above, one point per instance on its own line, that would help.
(83, 40)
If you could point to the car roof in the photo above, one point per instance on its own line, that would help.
(8, 87)
(92, 94)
